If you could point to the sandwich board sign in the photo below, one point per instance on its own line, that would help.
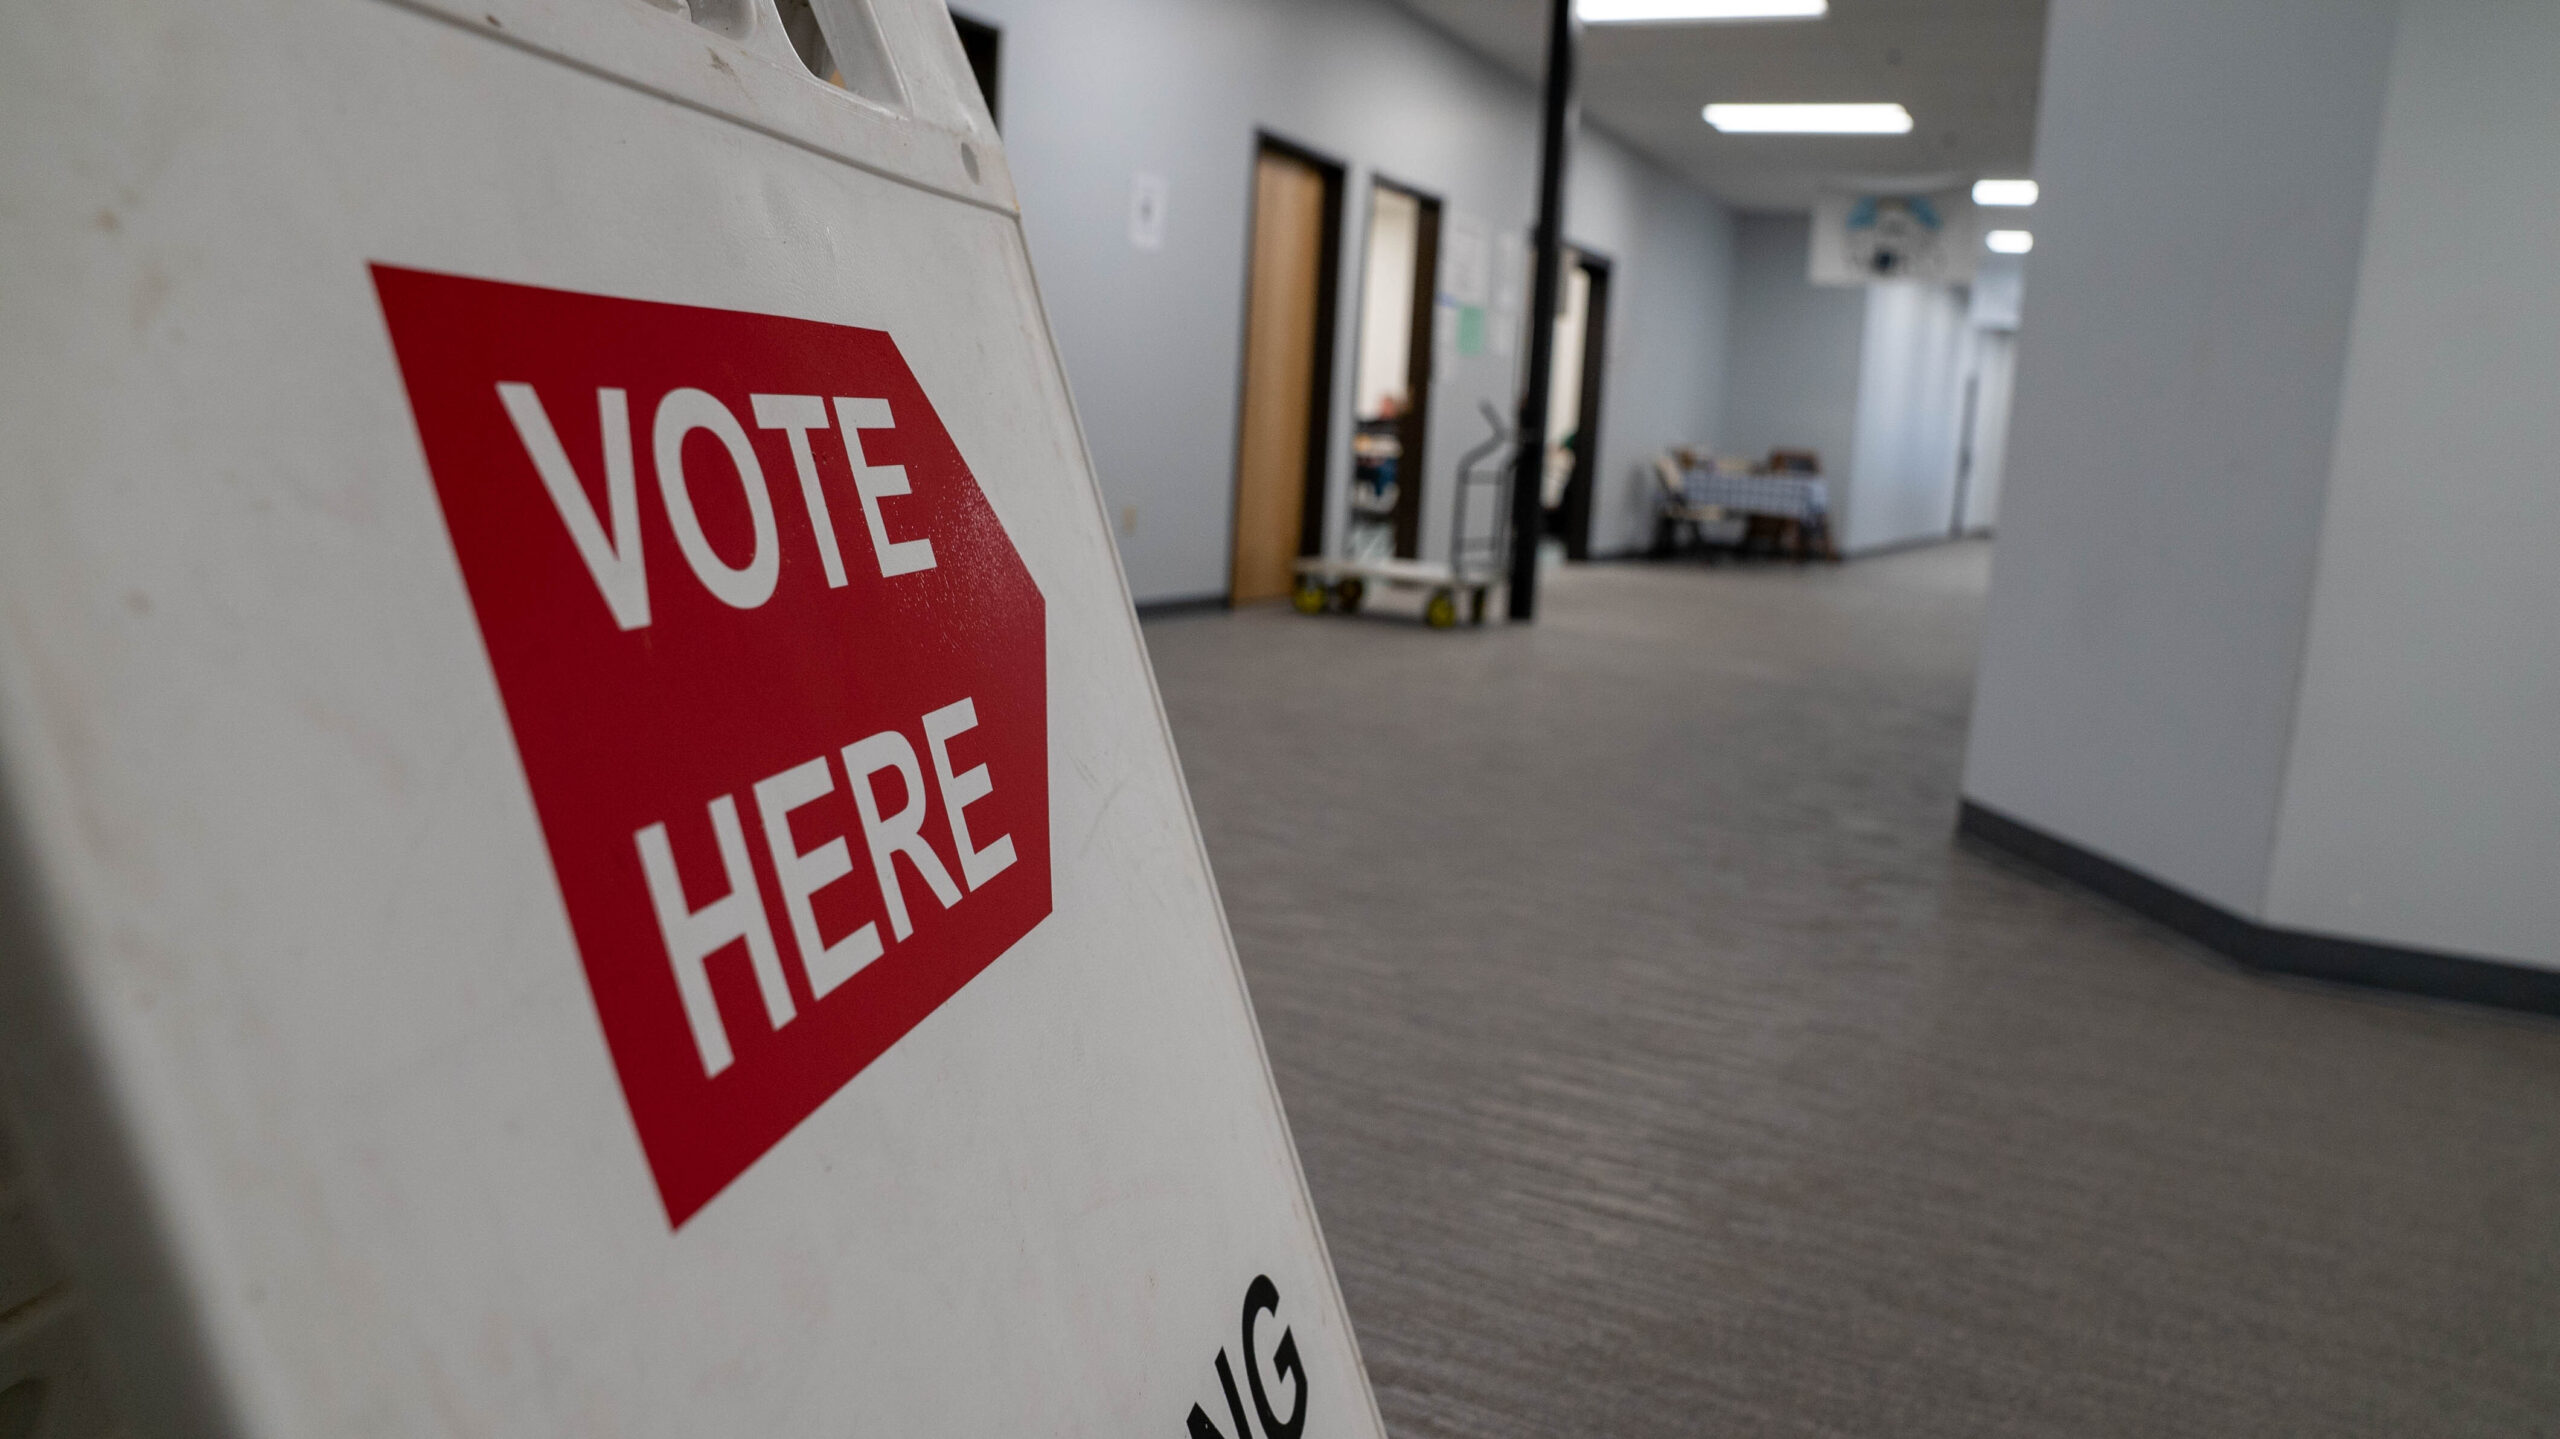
(586, 841)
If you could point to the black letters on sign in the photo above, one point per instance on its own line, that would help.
(1263, 1297)
(1260, 1297)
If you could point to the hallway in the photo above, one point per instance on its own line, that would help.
(1661, 1066)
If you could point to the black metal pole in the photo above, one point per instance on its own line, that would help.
(1528, 477)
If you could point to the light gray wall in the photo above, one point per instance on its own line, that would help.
(1791, 381)
(2422, 805)
(1670, 318)
(2205, 169)
(1095, 91)
(1913, 353)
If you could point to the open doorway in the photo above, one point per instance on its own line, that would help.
(1391, 386)
(1573, 402)
(1288, 369)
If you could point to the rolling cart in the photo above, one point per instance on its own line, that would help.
(1475, 559)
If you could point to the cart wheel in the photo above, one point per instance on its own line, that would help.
(1308, 597)
(1475, 605)
(1347, 594)
(1442, 612)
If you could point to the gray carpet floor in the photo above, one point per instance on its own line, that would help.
(1662, 1066)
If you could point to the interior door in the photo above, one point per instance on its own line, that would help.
(1283, 353)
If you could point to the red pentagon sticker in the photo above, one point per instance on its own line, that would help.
(775, 673)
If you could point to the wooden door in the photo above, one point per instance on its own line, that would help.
(1283, 321)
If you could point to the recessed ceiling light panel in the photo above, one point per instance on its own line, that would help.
(2010, 242)
(1810, 119)
(2004, 192)
(1675, 12)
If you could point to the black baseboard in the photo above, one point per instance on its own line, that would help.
(2263, 947)
(1192, 605)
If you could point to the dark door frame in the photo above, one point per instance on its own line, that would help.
(1328, 312)
(1413, 433)
(1574, 519)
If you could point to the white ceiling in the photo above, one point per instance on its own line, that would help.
(1966, 69)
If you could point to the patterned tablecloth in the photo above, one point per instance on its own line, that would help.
(1789, 497)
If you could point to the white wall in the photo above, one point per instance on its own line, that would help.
(2422, 801)
(1791, 377)
(1913, 355)
(2205, 168)
(1098, 90)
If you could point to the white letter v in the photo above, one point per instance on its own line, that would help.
(614, 561)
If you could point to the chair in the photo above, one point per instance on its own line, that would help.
(1674, 512)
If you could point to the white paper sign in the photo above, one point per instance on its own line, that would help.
(1867, 239)
(1510, 272)
(1466, 261)
(1510, 290)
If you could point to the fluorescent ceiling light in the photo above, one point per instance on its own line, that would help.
(1672, 12)
(1810, 119)
(2010, 242)
(2004, 192)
